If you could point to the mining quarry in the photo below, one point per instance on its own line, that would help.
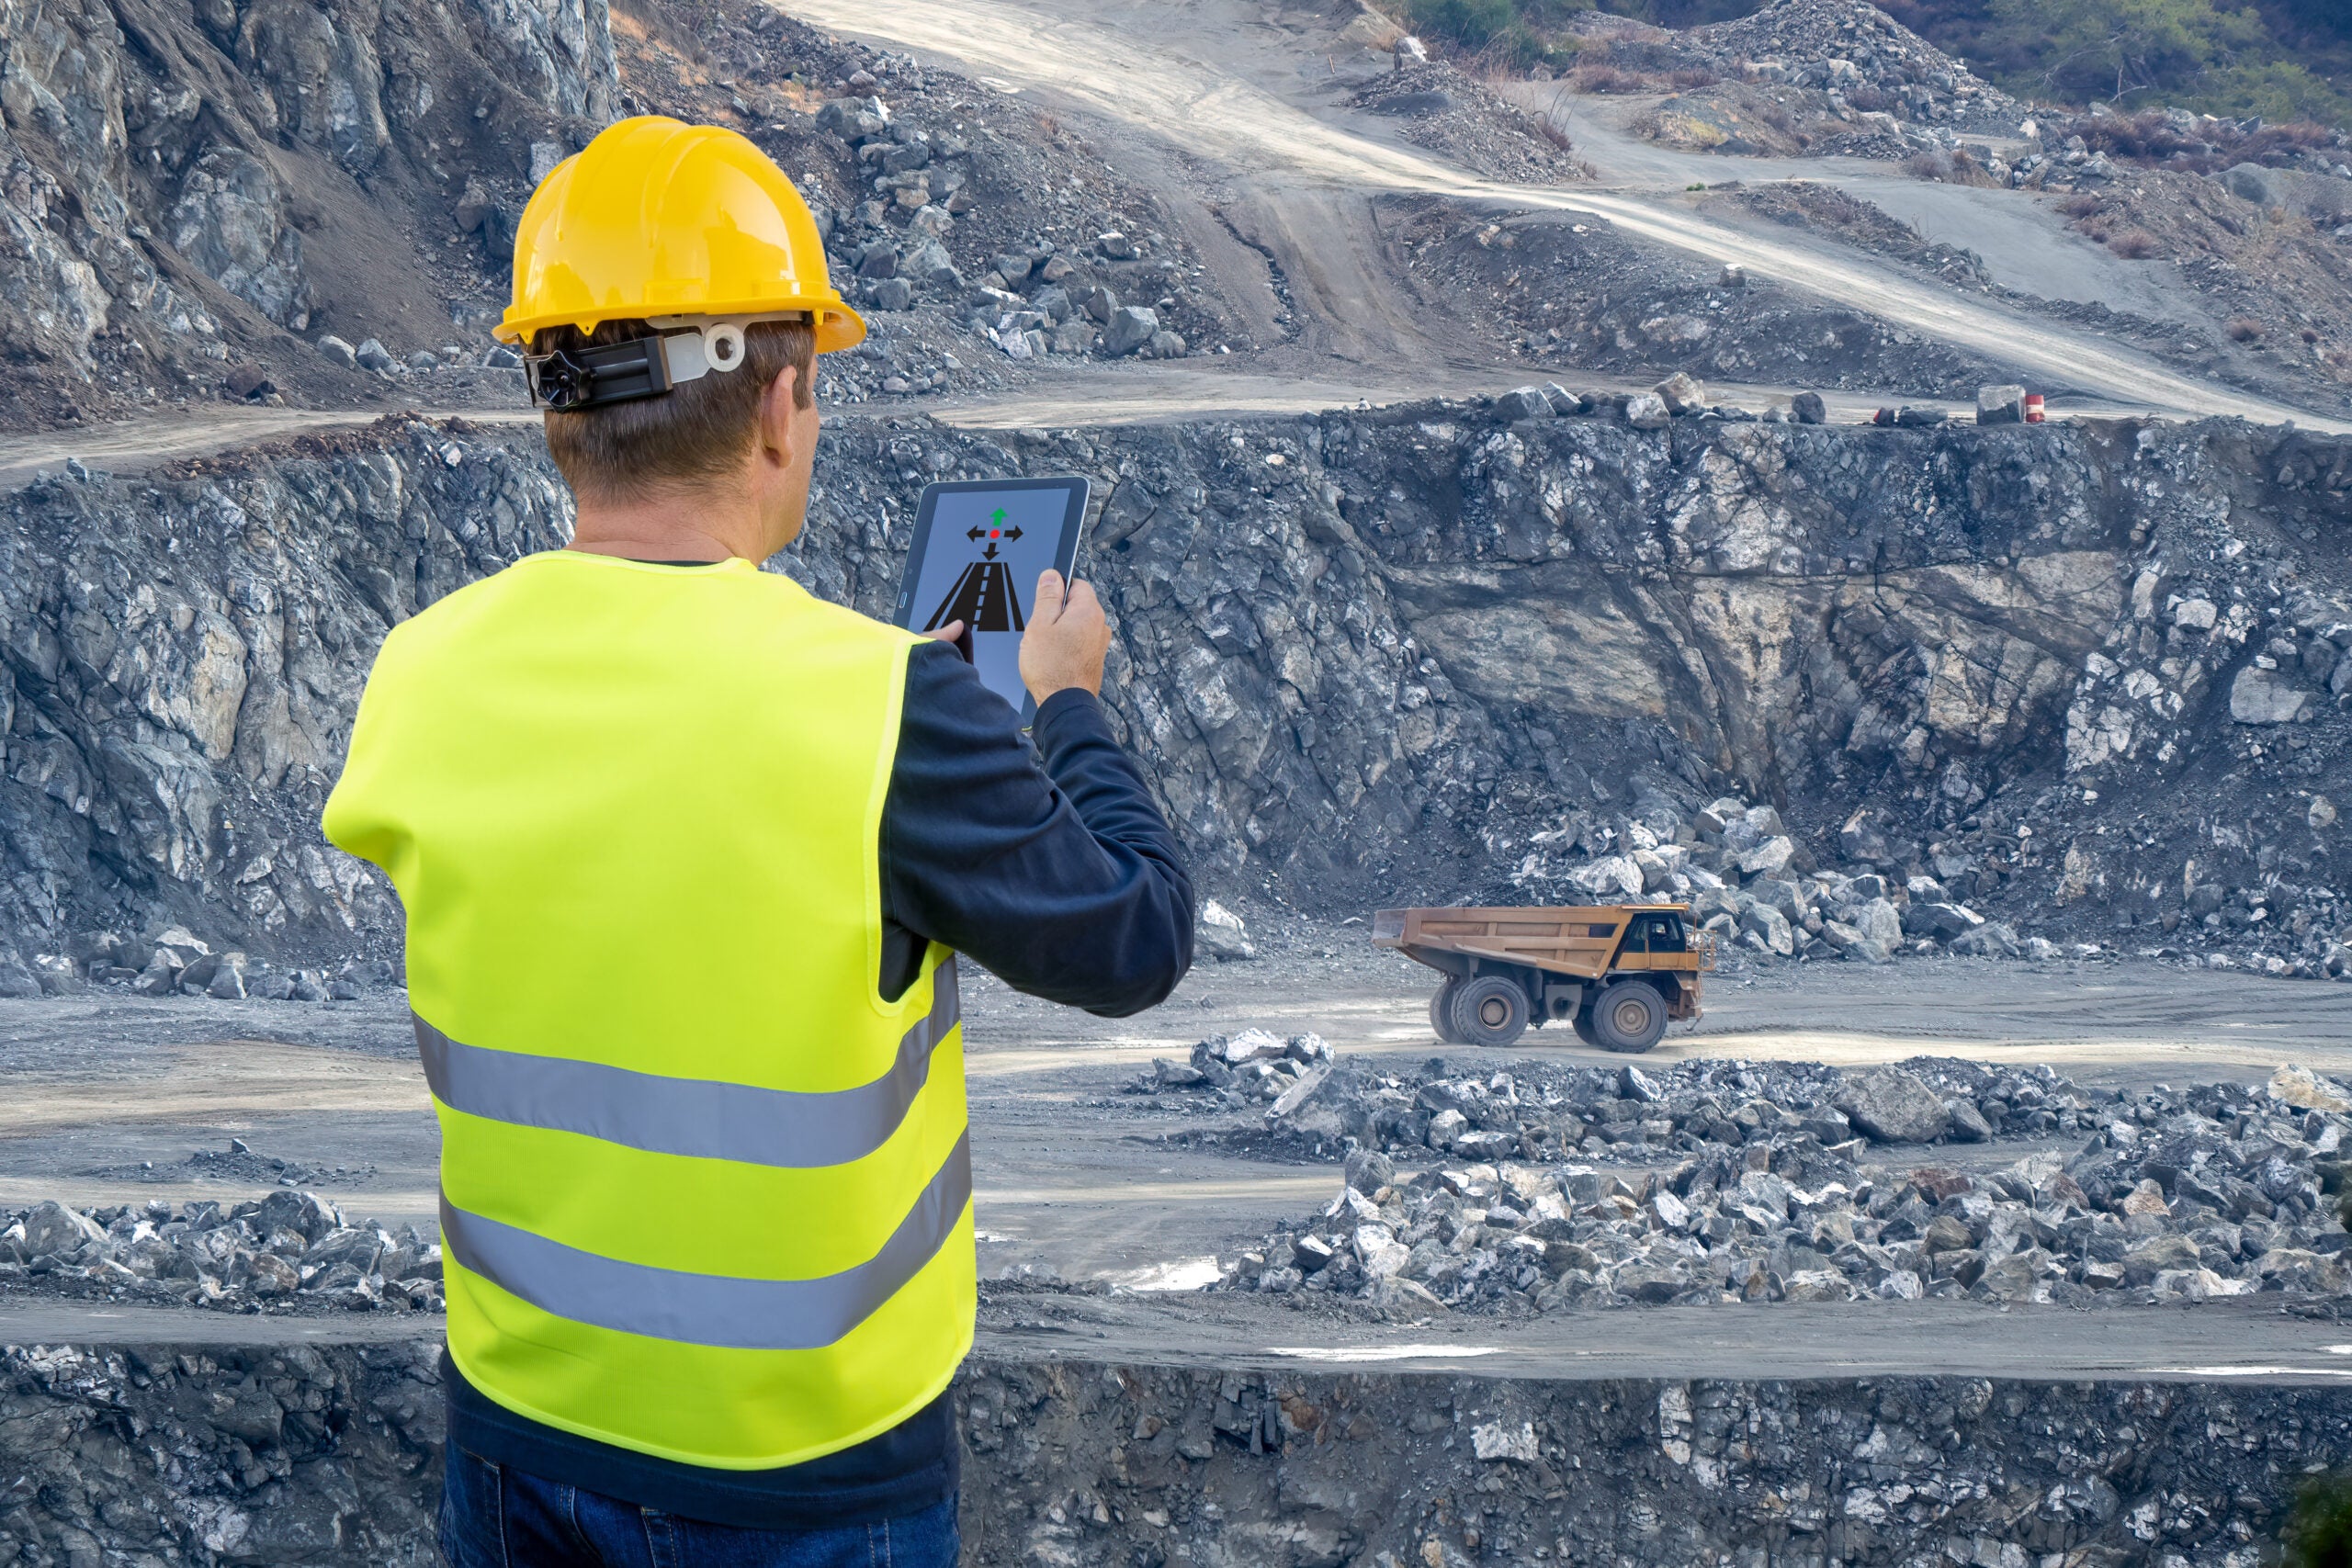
(1510, 490)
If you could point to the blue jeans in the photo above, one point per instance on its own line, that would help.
(494, 1517)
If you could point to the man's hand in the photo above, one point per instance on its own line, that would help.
(1067, 639)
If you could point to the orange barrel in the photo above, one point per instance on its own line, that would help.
(2033, 408)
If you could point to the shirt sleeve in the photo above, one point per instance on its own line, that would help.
(1051, 867)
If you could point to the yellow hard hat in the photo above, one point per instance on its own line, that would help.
(656, 219)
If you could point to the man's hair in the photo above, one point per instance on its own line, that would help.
(697, 430)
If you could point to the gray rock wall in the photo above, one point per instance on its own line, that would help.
(172, 178)
(1360, 655)
(193, 1453)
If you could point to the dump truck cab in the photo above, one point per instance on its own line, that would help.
(1617, 973)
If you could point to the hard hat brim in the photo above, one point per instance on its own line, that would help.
(838, 326)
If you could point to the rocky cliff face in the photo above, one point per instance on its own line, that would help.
(179, 186)
(328, 1454)
(2081, 672)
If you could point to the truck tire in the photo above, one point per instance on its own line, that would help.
(1583, 1024)
(1490, 1011)
(1442, 1011)
(1629, 1016)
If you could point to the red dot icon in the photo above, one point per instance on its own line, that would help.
(996, 533)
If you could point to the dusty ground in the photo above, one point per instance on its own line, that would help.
(1080, 1181)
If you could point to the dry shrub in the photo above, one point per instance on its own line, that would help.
(2149, 138)
(2244, 328)
(2082, 204)
(1553, 132)
(1605, 79)
(1925, 165)
(1687, 80)
(1868, 100)
(2134, 244)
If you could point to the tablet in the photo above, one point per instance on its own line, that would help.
(979, 546)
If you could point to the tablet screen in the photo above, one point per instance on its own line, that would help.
(979, 545)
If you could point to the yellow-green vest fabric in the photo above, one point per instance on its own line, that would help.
(705, 1194)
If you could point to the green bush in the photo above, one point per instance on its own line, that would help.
(2319, 1533)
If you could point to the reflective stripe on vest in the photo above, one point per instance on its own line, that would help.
(690, 1116)
(711, 1309)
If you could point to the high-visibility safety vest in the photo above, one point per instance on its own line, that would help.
(704, 1193)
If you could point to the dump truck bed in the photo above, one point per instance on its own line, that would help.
(1579, 942)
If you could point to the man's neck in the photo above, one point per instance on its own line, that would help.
(673, 526)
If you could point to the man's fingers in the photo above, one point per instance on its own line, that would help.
(1047, 605)
(1081, 599)
(948, 633)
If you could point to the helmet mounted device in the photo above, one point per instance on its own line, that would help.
(681, 349)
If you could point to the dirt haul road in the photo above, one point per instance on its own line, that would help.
(1228, 89)
(1075, 1177)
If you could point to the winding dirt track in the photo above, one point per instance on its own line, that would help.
(1227, 89)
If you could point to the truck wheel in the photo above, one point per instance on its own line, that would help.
(1584, 1026)
(1442, 1011)
(1490, 1011)
(1629, 1016)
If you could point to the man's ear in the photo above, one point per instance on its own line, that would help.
(777, 404)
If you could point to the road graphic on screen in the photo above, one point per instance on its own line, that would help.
(985, 597)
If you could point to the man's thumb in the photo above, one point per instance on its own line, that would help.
(1049, 595)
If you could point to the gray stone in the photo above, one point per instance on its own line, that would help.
(2269, 697)
(1682, 393)
(54, 1230)
(1524, 403)
(1129, 329)
(1221, 934)
(1968, 1123)
(229, 221)
(1165, 345)
(890, 294)
(1100, 303)
(1892, 1106)
(373, 355)
(340, 352)
(1646, 410)
(1809, 409)
(1990, 939)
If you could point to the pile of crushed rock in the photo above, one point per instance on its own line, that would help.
(2213, 1191)
(1862, 57)
(291, 1251)
(1540, 1112)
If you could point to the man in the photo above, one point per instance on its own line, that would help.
(684, 851)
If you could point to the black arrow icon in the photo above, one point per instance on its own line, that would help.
(976, 532)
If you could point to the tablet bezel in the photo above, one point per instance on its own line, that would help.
(1077, 490)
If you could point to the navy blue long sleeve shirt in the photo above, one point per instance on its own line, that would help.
(1048, 866)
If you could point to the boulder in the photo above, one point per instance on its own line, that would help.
(1524, 403)
(1892, 1106)
(1129, 329)
(1992, 939)
(1646, 410)
(1809, 409)
(54, 1229)
(2269, 696)
(1770, 927)
(1881, 922)
(1221, 935)
(1682, 393)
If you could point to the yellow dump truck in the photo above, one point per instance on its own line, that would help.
(1618, 972)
